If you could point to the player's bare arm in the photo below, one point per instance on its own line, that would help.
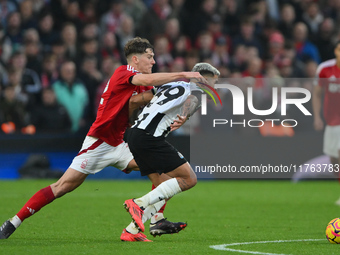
(317, 105)
(138, 101)
(190, 106)
(157, 79)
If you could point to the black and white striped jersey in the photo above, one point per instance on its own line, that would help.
(162, 110)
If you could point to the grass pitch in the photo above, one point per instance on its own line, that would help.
(90, 219)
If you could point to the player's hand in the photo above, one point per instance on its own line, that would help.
(195, 77)
(178, 122)
(318, 124)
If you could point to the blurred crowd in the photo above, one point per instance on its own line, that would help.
(56, 56)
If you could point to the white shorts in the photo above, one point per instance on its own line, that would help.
(331, 141)
(96, 154)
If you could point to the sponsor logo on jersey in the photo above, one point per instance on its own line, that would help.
(334, 87)
(131, 69)
(332, 78)
(180, 154)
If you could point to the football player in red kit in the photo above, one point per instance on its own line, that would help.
(104, 146)
(328, 90)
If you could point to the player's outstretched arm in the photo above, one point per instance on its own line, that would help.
(157, 79)
(317, 105)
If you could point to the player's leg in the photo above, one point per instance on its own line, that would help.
(132, 234)
(68, 182)
(71, 180)
(183, 178)
(88, 161)
(178, 180)
(158, 225)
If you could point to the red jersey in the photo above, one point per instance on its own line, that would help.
(113, 111)
(329, 75)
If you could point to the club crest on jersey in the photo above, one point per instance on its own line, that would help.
(84, 163)
(332, 78)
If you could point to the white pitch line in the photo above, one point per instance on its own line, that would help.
(222, 247)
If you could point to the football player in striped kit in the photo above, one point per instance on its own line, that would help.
(154, 155)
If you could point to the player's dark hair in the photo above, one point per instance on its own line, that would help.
(206, 73)
(137, 45)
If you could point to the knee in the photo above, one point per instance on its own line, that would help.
(193, 180)
(187, 183)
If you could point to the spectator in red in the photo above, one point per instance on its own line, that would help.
(276, 48)
(49, 73)
(153, 21)
(112, 20)
(254, 69)
(109, 46)
(88, 12)
(72, 14)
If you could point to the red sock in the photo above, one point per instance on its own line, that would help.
(163, 207)
(36, 202)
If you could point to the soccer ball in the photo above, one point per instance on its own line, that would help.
(333, 231)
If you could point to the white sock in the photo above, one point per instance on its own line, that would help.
(148, 213)
(156, 217)
(151, 210)
(132, 228)
(163, 191)
(15, 221)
